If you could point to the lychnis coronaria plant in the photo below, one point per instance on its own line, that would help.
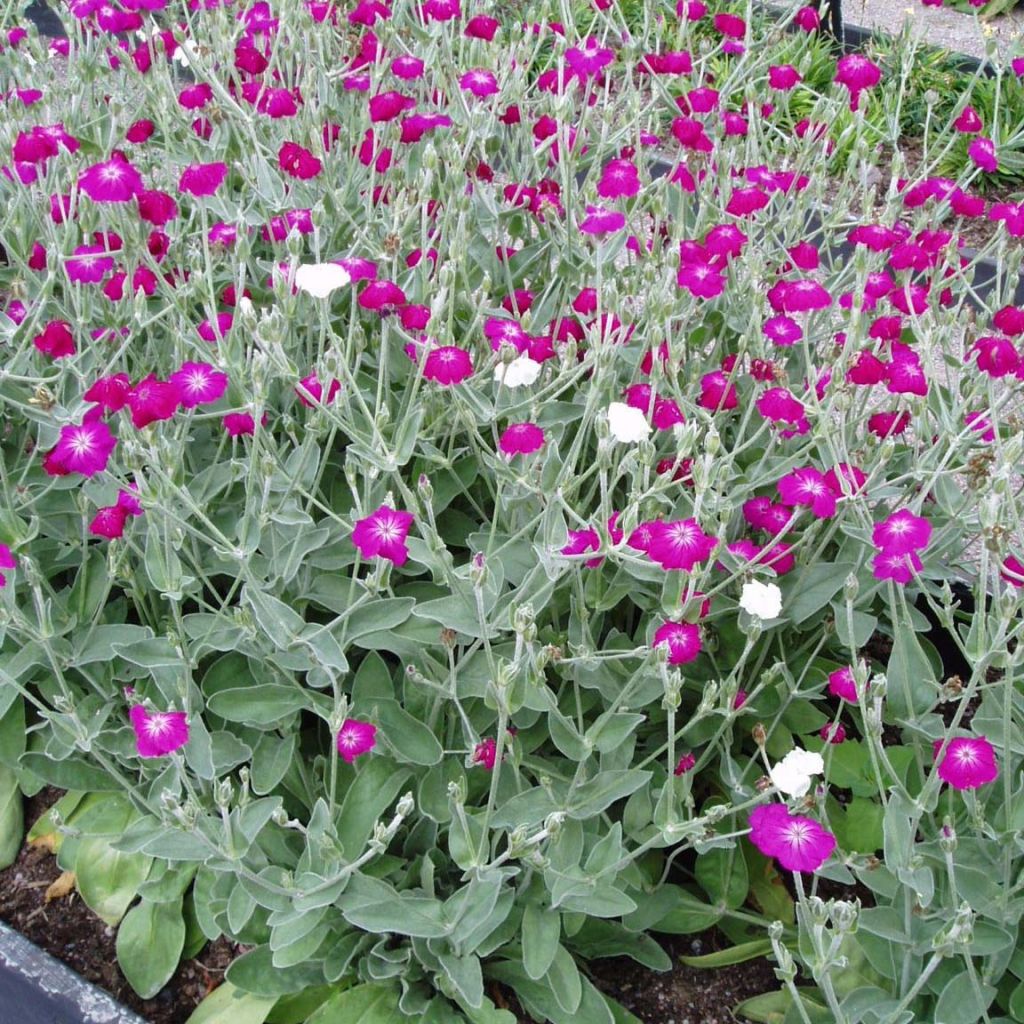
(486, 484)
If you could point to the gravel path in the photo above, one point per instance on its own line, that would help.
(939, 26)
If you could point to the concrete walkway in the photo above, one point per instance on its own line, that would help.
(940, 26)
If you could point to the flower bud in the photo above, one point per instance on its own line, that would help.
(851, 588)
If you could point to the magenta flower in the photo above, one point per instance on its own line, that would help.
(158, 733)
(382, 296)
(589, 59)
(298, 162)
(799, 296)
(600, 221)
(833, 732)
(238, 423)
(807, 486)
(783, 77)
(899, 567)
(619, 180)
(686, 764)
(682, 640)
(716, 393)
(982, 152)
(701, 280)
(216, 329)
(968, 122)
(202, 179)
(7, 561)
(798, 844)
(382, 534)
(109, 522)
(312, 387)
(666, 412)
(521, 439)
(485, 753)
(355, 738)
(153, 400)
(55, 340)
(89, 264)
(114, 181)
(479, 82)
(85, 448)
(386, 106)
(901, 532)
(968, 762)
(680, 544)
(447, 365)
(198, 383)
(581, 541)
(841, 683)
(782, 331)
(997, 356)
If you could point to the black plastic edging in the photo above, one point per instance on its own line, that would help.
(37, 989)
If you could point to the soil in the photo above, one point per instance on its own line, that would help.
(68, 930)
(685, 995)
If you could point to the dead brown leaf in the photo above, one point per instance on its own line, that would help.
(63, 885)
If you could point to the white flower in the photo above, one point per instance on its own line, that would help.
(626, 423)
(761, 599)
(320, 279)
(521, 371)
(792, 775)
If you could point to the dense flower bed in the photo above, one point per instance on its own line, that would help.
(462, 511)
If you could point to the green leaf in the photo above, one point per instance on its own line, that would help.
(271, 758)
(227, 1004)
(722, 874)
(294, 1009)
(149, 945)
(71, 773)
(601, 792)
(279, 621)
(261, 704)
(12, 817)
(959, 1003)
(911, 689)
(107, 879)
(565, 981)
(674, 911)
(773, 1007)
(417, 916)
(541, 930)
(365, 1004)
(374, 789)
(386, 613)
(254, 972)
(410, 739)
(810, 590)
(598, 939)
(466, 976)
(733, 955)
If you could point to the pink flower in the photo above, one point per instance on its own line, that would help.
(386, 106)
(619, 179)
(55, 340)
(982, 152)
(202, 179)
(797, 843)
(716, 393)
(382, 534)
(485, 753)
(109, 522)
(968, 122)
(479, 82)
(600, 221)
(355, 738)
(682, 640)
(997, 356)
(680, 544)
(901, 532)
(298, 162)
(783, 77)
(238, 423)
(799, 296)
(700, 279)
(311, 386)
(153, 400)
(841, 683)
(198, 384)
(382, 296)
(899, 566)
(666, 412)
(521, 439)
(806, 486)
(7, 561)
(217, 329)
(110, 392)
(1012, 571)
(686, 763)
(833, 732)
(447, 365)
(114, 181)
(158, 733)
(581, 541)
(84, 448)
(89, 264)
(481, 27)
(590, 59)
(968, 762)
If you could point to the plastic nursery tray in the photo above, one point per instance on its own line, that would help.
(36, 989)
